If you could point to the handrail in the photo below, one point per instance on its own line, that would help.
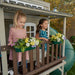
(6, 47)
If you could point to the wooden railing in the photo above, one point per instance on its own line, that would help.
(53, 57)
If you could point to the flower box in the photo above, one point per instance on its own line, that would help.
(25, 44)
(54, 42)
(58, 38)
(26, 49)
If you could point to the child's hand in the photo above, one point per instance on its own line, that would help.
(9, 43)
(46, 39)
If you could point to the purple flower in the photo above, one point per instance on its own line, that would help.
(34, 46)
(64, 38)
(12, 44)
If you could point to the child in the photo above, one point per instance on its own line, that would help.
(41, 33)
(18, 32)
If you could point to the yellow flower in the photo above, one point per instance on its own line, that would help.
(26, 40)
(53, 36)
(56, 34)
(59, 35)
(32, 43)
(56, 37)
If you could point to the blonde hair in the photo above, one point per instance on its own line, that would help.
(18, 14)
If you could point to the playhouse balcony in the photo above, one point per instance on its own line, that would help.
(53, 58)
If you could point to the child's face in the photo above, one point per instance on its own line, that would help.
(44, 25)
(21, 22)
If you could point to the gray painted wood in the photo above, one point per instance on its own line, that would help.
(4, 63)
(2, 27)
(36, 11)
(0, 53)
(3, 42)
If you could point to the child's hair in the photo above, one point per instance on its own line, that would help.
(18, 14)
(39, 25)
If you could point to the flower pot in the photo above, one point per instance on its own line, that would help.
(54, 42)
(26, 49)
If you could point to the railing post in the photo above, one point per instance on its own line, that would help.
(43, 51)
(47, 53)
(56, 54)
(60, 51)
(15, 62)
(31, 59)
(4, 62)
(24, 63)
(37, 56)
(52, 53)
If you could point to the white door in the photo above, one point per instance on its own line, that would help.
(30, 29)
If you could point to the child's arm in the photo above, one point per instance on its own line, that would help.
(10, 36)
(25, 33)
(37, 36)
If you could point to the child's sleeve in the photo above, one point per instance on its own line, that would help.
(25, 34)
(10, 35)
(41, 33)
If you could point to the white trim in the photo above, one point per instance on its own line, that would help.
(52, 69)
(64, 32)
(31, 24)
(24, 3)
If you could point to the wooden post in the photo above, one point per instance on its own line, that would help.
(37, 56)
(52, 53)
(56, 51)
(60, 51)
(3, 42)
(47, 53)
(43, 51)
(64, 32)
(31, 59)
(0, 53)
(24, 63)
(4, 62)
(15, 62)
(63, 52)
(2, 27)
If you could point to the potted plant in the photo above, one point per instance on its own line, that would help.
(58, 38)
(25, 44)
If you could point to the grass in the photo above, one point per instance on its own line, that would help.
(72, 70)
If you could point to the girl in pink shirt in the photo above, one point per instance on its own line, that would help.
(18, 32)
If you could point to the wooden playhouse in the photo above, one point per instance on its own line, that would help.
(34, 9)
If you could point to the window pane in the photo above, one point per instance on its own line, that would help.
(32, 34)
(28, 28)
(32, 28)
(28, 34)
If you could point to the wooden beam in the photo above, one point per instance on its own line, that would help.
(2, 27)
(3, 42)
(4, 62)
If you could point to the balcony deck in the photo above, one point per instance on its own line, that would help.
(53, 58)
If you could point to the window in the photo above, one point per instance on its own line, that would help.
(30, 29)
